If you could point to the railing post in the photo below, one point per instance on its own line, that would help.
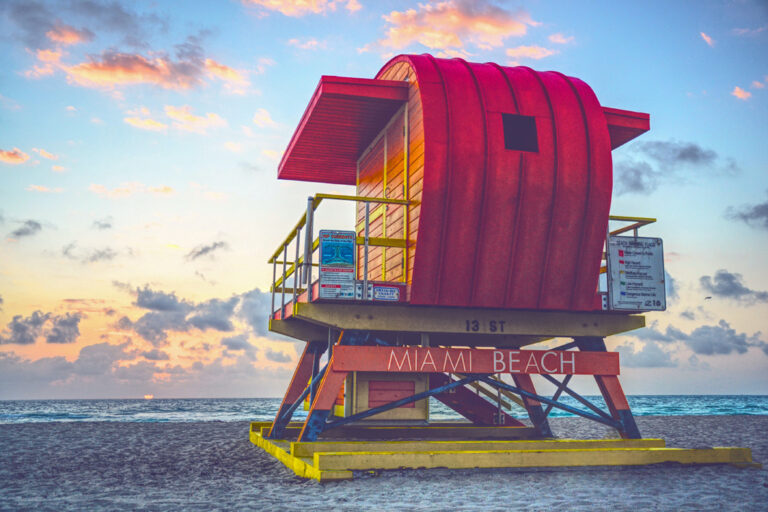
(282, 283)
(308, 243)
(274, 279)
(365, 251)
(296, 270)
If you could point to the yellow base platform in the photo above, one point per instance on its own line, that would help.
(336, 460)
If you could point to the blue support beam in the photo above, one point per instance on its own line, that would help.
(610, 422)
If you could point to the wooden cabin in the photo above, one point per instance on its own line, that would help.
(508, 171)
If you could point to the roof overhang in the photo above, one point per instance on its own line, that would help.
(341, 120)
(625, 125)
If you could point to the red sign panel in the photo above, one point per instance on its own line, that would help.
(452, 360)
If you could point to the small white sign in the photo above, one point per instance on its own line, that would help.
(337, 290)
(386, 293)
(636, 274)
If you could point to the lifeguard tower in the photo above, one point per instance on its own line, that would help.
(482, 229)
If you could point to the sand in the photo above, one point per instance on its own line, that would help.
(205, 466)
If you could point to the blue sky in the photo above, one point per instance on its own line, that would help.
(139, 202)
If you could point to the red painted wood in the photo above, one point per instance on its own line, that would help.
(508, 228)
(301, 376)
(381, 392)
(612, 392)
(496, 227)
(342, 118)
(467, 403)
(442, 360)
(625, 125)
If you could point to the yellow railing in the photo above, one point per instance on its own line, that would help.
(636, 223)
(301, 267)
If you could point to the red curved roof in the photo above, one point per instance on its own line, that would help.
(506, 228)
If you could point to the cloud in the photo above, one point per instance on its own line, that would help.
(155, 355)
(530, 52)
(262, 119)
(298, 8)
(720, 339)
(758, 85)
(44, 189)
(58, 168)
(234, 147)
(64, 329)
(113, 68)
(236, 81)
(67, 35)
(729, 285)
(206, 250)
(307, 44)
(276, 356)
(749, 31)
(146, 124)
(102, 224)
(648, 164)
(214, 314)
(45, 154)
(690, 315)
(560, 39)
(649, 356)
(741, 93)
(1, 302)
(28, 228)
(113, 17)
(453, 24)
(24, 331)
(185, 120)
(153, 300)
(671, 286)
(707, 39)
(14, 156)
(254, 310)
(128, 189)
(755, 214)
(239, 342)
(87, 256)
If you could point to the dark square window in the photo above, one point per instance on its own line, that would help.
(520, 132)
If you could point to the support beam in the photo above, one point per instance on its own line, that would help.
(467, 321)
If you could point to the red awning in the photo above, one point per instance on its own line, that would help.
(625, 125)
(341, 120)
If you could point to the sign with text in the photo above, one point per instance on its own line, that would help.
(447, 360)
(337, 264)
(636, 274)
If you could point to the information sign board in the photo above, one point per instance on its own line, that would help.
(337, 264)
(636, 274)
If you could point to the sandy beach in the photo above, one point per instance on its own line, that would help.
(211, 465)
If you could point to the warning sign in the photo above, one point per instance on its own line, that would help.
(636, 274)
(337, 264)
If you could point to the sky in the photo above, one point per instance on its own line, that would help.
(139, 203)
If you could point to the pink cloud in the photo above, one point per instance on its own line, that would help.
(146, 123)
(741, 93)
(184, 119)
(298, 8)
(14, 156)
(40, 188)
(758, 85)
(530, 52)
(115, 68)
(560, 39)
(453, 24)
(45, 154)
(707, 39)
(307, 44)
(66, 35)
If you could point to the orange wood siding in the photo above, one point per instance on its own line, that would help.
(398, 186)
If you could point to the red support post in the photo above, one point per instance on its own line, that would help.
(534, 408)
(301, 377)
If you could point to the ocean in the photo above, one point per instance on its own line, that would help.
(264, 409)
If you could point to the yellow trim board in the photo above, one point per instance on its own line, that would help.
(325, 461)
(308, 461)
